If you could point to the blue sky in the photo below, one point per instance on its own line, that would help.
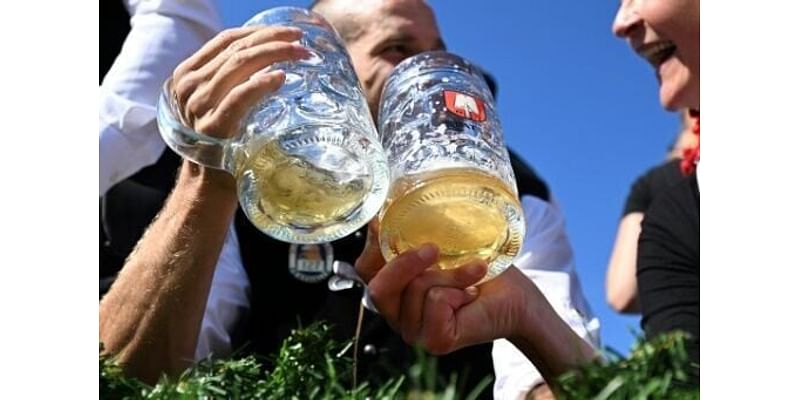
(574, 101)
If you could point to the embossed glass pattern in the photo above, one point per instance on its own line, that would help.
(307, 159)
(451, 177)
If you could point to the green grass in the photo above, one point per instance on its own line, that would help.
(310, 365)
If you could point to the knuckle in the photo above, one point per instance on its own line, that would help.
(436, 295)
(236, 59)
(361, 262)
(228, 35)
(418, 285)
(182, 69)
(197, 106)
(236, 46)
(364, 268)
(376, 291)
(185, 86)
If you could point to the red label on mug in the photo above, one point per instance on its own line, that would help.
(465, 106)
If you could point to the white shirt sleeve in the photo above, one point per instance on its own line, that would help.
(163, 33)
(546, 258)
(228, 302)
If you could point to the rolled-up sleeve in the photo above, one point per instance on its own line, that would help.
(547, 259)
(163, 33)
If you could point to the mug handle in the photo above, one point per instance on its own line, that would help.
(203, 149)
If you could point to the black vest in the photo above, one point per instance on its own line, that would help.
(279, 302)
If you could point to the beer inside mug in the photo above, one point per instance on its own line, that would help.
(309, 165)
(452, 182)
(464, 211)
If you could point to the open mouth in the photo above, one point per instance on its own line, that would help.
(657, 52)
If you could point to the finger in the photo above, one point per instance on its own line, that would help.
(226, 118)
(211, 49)
(389, 283)
(439, 333)
(371, 259)
(238, 69)
(202, 65)
(484, 313)
(261, 36)
(225, 41)
(243, 64)
(414, 296)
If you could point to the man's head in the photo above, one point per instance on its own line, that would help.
(379, 34)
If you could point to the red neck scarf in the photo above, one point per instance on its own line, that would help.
(691, 155)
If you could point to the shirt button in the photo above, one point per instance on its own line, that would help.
(370, 350)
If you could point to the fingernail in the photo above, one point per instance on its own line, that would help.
(267, 71)
(472, 291)
(428, 253)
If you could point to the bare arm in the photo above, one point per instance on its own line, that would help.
(548, 341)
(441, 310)
(152, 314)
(621, 289)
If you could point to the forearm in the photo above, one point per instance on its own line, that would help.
(152, 314)
(550, 344)
(621, 288)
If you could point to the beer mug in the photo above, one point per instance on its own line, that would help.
(451, 177)
(307, 159)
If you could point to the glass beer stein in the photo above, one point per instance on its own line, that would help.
(451, 177)
(307, 159)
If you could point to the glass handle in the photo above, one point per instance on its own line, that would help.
(203, 149)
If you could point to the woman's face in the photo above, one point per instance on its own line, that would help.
(666, 33)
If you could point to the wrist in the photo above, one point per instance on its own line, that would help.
(529, 323)
(545, 339)
(201, 182)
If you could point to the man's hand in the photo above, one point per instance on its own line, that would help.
(441, 309)
(216, 86)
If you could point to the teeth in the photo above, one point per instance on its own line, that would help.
(655, 53)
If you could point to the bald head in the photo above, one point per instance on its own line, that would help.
(379, 34)
(341, 14)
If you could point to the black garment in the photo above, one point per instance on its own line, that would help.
(668, 267)
(279, 303)
(650, 184)
(114, 27)
(128, 208)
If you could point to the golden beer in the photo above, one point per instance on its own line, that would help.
(468, 214)
(278, 190)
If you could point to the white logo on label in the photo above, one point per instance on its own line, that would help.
(466, 103)
(310, 266)
(311, 263)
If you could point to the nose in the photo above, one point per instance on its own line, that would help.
(626, 20)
